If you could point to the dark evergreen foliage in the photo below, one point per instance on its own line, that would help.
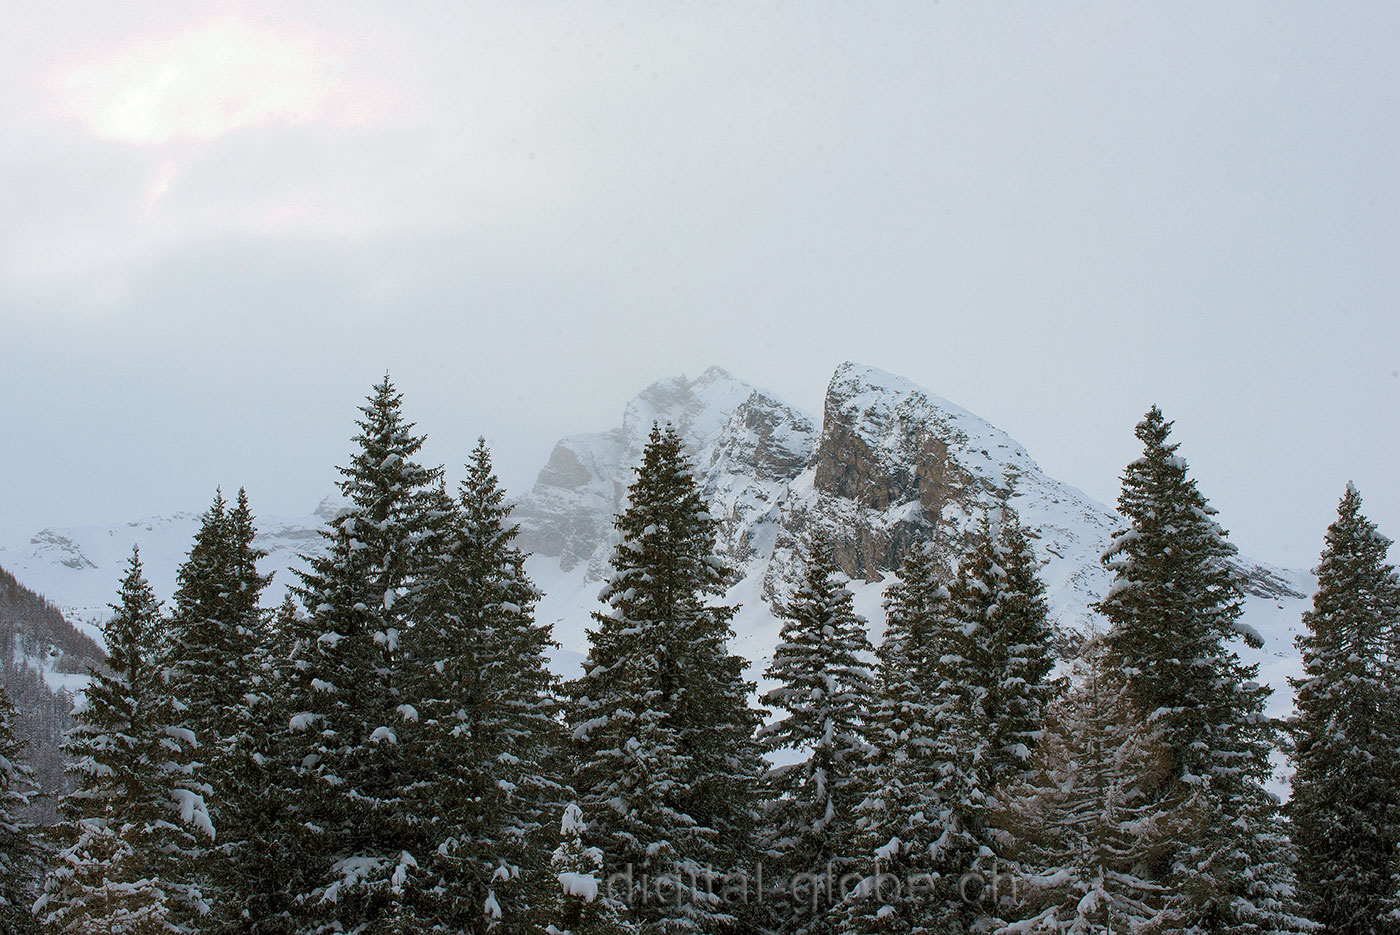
(1020, 687)
(900, 828)
(216, 630)
(353, 815)
(1081, 827)
(964, 675)
(480, 706)
(1174, 604)
(667, 763)
(578, 868)
(824, 694)
(19, 850)
(1346, 791)
(136, 818)
(274, 854)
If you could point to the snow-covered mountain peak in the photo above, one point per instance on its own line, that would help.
(887, 465)
(697, 409)
(862, 386)
(890, 411)
(568, 514)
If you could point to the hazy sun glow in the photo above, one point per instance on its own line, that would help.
(203, 83)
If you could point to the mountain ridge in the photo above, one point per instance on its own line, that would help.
(886, 464)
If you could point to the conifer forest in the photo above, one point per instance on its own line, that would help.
(387, 752)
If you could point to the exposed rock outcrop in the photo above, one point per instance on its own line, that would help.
(890, 466)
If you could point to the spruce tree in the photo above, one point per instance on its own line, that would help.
(278, 843)
(967, 748)
(216, 630)
(1174, 604)
(667, 763)
(964, 671)
(1080, 827)
(130, 827)
(346, 705)
(1021, 688)
(1346, 789)
(482, 729)
(898, 822)
(825, 691)
(197, 638)
(993, 683)
(19, 850)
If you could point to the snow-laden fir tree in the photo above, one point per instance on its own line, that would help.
(480, 712)
(246, 741)
(898, 821)
(274, 850)
(1346, 789)
(216, 631)
(1015, 615)
(667, 766)
(994, 686)
(578, 874)
(1174, 604)
(131, 826)
(1080, 830)
(969, 750)
(19, 849)
(200, 632)
(970, 668)
(346, 707)
(824, 693)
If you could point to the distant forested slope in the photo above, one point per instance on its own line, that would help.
(39, 650)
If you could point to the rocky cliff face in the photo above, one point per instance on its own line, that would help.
(745, 443)
(764, 447)
(891, 465)
(887, 465)
(896, 465)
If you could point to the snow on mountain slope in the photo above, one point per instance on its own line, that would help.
(891, 464)
(79, 568)
(745, 442)
(887, 464)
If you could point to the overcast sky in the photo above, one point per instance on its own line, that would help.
(221, 222)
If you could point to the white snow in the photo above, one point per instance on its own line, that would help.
(193, 811)
(352, 871)
(303, 721)
(80, 567)
(572, 821)
(182, 734)
(581, 885)
(567, 518)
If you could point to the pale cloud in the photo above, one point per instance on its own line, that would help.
(201, 83)
(527, 209)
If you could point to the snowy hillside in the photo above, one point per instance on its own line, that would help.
(78, 568)
(886, 464)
